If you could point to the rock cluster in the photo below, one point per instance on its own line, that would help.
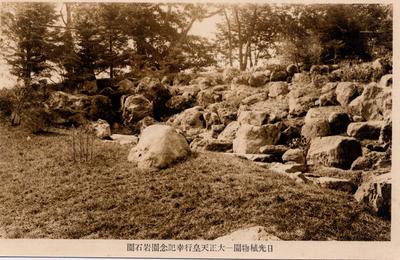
(284, 119)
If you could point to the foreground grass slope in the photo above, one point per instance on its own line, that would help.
(45, 195)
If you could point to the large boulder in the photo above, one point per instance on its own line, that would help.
(279, 75)
(208, 96)
(292, 69)
(135, 108)
(255, 98)
(67, 108)
(376, 192)
(258, 79)
(150, 87)
(365, 130)
(63, 101)
(316, 122)
(328, 95)
(179, 103)
(375, 103)
(278, 88)
(126, 86)
(302, 98)
(277, 108)
(249, 138)
(346, 92)
(333, 151)
(338, 122)
(301, 78)
(159, 146)
(294, 155)
(225, 111)
(367, 160)
(157, 93)
(253, 117)
(229, 133)
(190, 118)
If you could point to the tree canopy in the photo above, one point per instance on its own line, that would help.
(86, 39)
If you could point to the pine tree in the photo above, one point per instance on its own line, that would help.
(31, 38)
(115, 41)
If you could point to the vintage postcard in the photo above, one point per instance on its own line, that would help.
(192, 129)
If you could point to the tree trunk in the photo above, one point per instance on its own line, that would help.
(69, 40)
(251, 58)
(229, 38)
(111, 52)
(239, 38)
(250, 37)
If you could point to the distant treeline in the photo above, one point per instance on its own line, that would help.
(80, 40)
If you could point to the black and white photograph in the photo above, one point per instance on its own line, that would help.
(219, 122)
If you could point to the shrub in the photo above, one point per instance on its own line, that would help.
(362, 72)
(6, 102)
(82, 144)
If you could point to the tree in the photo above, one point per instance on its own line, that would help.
(89, 43)
(247, 32)
(31, 38)
(110, 17)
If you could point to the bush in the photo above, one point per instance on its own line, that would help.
(82, 147)
(22, 105)
(7, 102)
(362, 72)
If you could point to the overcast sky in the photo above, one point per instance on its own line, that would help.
(207, 27)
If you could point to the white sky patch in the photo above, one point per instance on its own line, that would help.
(206, 28)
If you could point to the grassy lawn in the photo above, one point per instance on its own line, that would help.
(43, 194)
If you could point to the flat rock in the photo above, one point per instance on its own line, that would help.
(284, 168)
(365, 130)
(274, 149)
(344, 185)
(229, 133)
(210, 144)
(335, 151)
(294, 155)
(249, 138)
(258, 157)
(125, 139)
